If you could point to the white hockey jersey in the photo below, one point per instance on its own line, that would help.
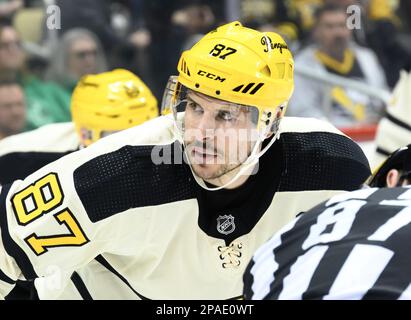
(123, 227)
(25, 153)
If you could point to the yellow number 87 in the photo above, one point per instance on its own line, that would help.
(39, 199)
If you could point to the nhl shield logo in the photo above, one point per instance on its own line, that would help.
(225, 224)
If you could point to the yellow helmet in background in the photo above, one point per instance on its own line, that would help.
(109, 102)
(240, 65)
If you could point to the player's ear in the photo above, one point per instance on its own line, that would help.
(392, 178)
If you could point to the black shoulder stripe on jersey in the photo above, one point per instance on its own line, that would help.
(398, 122)
(128, 178)
(338, 160)
(5, 278)
(11, 247)
(109, 267)
(19, 165)
(80, 286)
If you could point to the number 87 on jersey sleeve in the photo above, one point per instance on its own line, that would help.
(39, 199)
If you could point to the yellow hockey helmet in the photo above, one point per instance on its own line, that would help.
(240, 65)
(109, 102)
(248, 70)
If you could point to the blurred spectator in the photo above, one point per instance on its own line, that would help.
(405, 14)
(380, 30)
(11, 53)
(9, 7)
(103, 19)
(46, 102)
(335, 53)
(173, 26)
(78, 53)
(293, 19)
(12, 108)
(121, 28)
(196, 20)
(383, 36)
(257, 12)
(93, 15)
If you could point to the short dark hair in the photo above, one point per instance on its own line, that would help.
(329, 7)
(399, 160)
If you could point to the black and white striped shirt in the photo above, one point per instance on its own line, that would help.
(355, 246)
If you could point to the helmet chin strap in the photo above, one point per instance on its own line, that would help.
(245, 167)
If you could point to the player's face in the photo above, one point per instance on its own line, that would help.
(218, 135)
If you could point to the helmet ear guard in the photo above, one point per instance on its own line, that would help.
(109, 102)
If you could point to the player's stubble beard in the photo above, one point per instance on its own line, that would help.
(223, 172)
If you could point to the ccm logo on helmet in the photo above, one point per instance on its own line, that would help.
(210, 76)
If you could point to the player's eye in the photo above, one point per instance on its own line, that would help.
(194, 107)
(226, 116)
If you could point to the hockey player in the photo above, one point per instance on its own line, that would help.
(101, 104)
(394, 171)
(354, 246)
(133, 219)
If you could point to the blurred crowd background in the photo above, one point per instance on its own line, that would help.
(342, 74)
